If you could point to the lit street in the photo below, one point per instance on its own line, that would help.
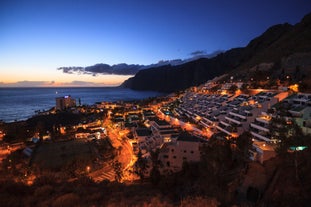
(124, 155)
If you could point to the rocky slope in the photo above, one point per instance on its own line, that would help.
(277, 46)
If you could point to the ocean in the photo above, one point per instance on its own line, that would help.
(21, 103)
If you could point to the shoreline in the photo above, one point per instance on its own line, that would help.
(22, 103)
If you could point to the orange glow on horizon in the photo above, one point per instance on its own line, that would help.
(41, 76)
(56, 84)
(64, 80)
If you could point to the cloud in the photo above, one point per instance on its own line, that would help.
(215, 53)
(49, 84)
(198, 52)
(204, 54)
(28, 84)
(101, 68)
(132, 69)
(80, 83)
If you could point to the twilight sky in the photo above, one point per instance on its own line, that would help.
(39, 36)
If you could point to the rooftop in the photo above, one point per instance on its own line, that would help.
(298, 108)
(143, 132)
(189, 138)
(161, 122)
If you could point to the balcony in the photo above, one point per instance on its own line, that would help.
(204, 124)
(207, 120)
(261, 128)
(238, 115)
(233, 120)
(263, 120)
(223, 130)
(224, 124)
(261, 137)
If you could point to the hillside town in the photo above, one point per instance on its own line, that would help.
(199, 111)
(127, 142)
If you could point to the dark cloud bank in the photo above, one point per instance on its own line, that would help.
(132, 69)
(120, 69)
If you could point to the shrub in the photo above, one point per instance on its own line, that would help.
(43, 191)
(66, 200)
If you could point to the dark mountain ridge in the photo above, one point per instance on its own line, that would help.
(275, 44)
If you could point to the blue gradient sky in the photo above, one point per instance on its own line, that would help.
(37, 37)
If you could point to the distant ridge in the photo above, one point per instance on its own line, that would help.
(283, 46)
(127, 69)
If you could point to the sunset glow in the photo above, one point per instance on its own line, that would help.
(37, 37)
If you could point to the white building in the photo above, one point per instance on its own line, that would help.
(246, 115)
(185, 149)
(260, 127)
(302, 117)
(162, 131)
(262, 151)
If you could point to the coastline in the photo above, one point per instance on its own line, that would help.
(21, 103)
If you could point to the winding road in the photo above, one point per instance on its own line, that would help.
(125, 156)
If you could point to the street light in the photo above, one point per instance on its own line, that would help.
(88, 168)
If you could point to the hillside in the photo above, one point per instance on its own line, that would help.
(286, 47)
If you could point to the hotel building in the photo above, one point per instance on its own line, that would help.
(65, 102)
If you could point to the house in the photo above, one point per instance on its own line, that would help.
(301, 99)
(141, 134)
(245, 115)
(133, 117)
(162, 131)
(107, 105)
(148, 114)
(262, 151)
(260, 127)
(302, 117)
(185, 149)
